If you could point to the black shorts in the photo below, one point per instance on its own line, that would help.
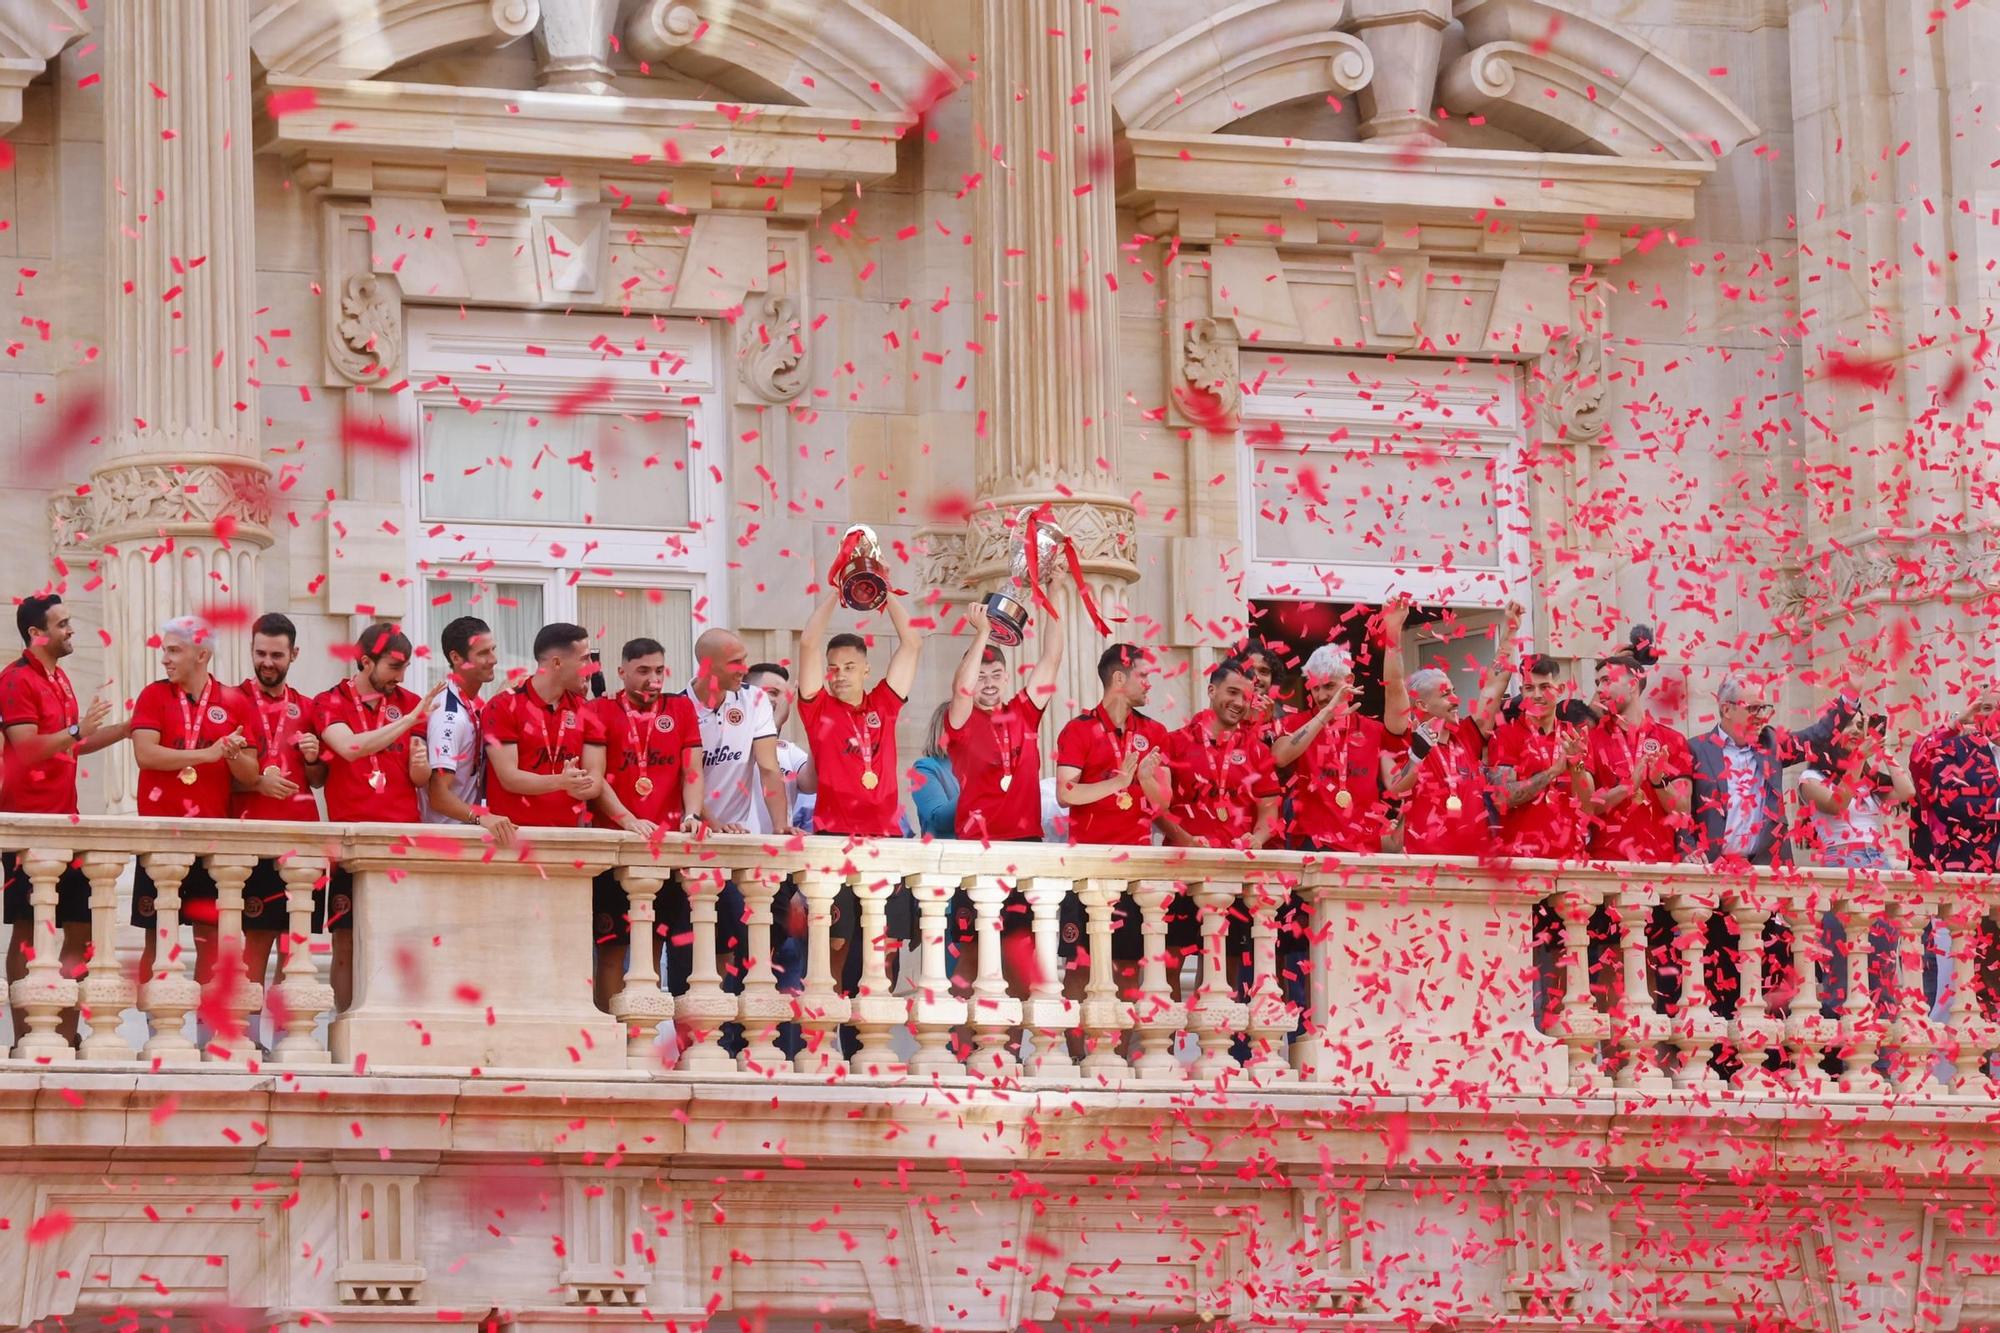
(1017, 917)
(673, 922)
(333, 903)
(72, 894)
(1128, 941)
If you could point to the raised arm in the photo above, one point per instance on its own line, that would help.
(812, 645)
(1052, 642)
(965, 680)
(1395, 676)
(1487, 710)
(902, 673)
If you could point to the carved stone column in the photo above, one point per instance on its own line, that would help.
(1047, 256)
(181, 496)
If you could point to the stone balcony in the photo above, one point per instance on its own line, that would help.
(1459, 1128)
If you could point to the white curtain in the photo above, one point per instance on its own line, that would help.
(614, 616)
(529, 465)
(514, 610)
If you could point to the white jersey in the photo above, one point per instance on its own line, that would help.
(729, 770)
(456, 738)
(792, 758)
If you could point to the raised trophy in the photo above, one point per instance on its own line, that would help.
(1007, 612)
(860, 575)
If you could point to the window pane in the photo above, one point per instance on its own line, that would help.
(615, 616)
(514, 610)
(522, 465)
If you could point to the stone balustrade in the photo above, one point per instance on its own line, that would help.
(1439, 977)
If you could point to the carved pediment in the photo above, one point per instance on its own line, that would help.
(32, 33)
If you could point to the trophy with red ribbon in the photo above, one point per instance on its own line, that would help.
(1007, 613)
(858, 571)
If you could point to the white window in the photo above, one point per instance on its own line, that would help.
(1370, 476)
(567, 468)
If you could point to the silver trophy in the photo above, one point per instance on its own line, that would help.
(1007, 612)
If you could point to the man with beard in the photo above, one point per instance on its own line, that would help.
(1639, 772)
(1225, 784)
(292, 770)
(191, 738)
(652, 774)
(1541, 771)
(1445, 813)
(539, 736)
(1956, 770)
(374, 766)
(1739, 772)
(456, 733)
(46, 735)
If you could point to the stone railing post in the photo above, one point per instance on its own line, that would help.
(1105, 1015)
(170, 994)
(1215, 1017)
(642, 1006)
(705, 1004)
(996, 1015)
(1050, 1015)
(763, 1009)
(822, 1009)
(1158, 1017)
(304, 998)
(938, 1010)
(232, 995)
(107, 991)
(44, 993)
(875, 1010)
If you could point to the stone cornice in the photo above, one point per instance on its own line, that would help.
(359, 137)
(1363, 180)
(32, 33)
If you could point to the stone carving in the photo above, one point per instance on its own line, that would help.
(599, 1218)
(941, 561)
(367, 334)
(147, 498)
(772, 347)
(1106, 537)
(573, 45)
(1210, 365)
(1542, 1282)
(378, 1241)
(1574, 395)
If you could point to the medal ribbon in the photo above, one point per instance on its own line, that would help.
(1120, 750)
(1034, 552)
(378, 780)
(191, 718)
(864, 738)
(71, 715)
(632, 741)
(1005, 736)
(272, 737)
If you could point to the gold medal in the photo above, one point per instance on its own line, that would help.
(1453, 805)
(188, 776)
(1124, 800)
(644, 786)
(1006, 781)
(870, 781)
(1343, 799)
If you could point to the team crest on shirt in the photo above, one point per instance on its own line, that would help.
(734, 716)
(292, 711)
(217, 713)
(1236, 756)
(568, 721)
(873, 720)
(663, 723)
(1069, 932)
(393, 713)
(1141, 744)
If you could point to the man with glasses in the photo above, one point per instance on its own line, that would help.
(1739, 773)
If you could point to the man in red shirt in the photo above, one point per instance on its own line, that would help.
(1641, 771)
(1541, 771)
(539, 738)
(1110, 777)
(1342, 760)
(1446, 813)
(850, 729)
(192, 740)
(652, 771)
(288, 748)
(45, 737)
(375, 766)
(1225, 781)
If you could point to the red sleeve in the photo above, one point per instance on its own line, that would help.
(810, 711)
(1027, 709)
(17, 701)
(887, 702)
(1474, 738)
(1680, 758)
(1072, 744)
(500, 722)
(594, 730)
(687, 720)
(1504, 750)
(1265, 778)
(245, 713)
(149, 710)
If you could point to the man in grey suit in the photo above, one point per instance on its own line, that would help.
(1739, 774)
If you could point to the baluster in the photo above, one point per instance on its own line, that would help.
(1105, 1015)
(1640, 1025)
(1971, 1031)
(1215, 1017)
(170, 994)
(1860, 1024)
(996, 1015)
(1695, 1027)
(304, 997)
(1270, 1017)
(1156, 1015)
(642, 1006)
(44, 993)
(876, 1010)
(1582, 1027)
(1807, 1032)
(822, 1009)
(1912, 1067)
(107, 991)
(1754, 1033)
(763, 1006)
(938, 1010)
(705, 1004)
(1049, 1014)
(1314, 1054)
(229, 992)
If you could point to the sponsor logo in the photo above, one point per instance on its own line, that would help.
(721, 754)
(253, 907)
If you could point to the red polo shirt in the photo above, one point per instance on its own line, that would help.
(279, 724)
(547, 738)
(848, 743)
(1217, 783)
(1346, 756)
(650, 747)
(997, 758)
(33, 695)
(352, 796)
(1094, 747)
(1642, 828)
(1551, 825)
(190, 723)
(1431, 826)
